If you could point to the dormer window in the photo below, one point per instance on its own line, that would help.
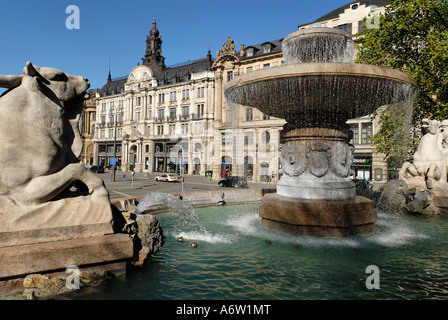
(250, 52)
(267, 48)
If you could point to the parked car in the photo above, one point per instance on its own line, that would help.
(167, 178)
(97, 169)
(233, 182)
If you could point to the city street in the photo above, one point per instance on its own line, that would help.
(142, 183)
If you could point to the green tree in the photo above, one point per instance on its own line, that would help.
(411, 37)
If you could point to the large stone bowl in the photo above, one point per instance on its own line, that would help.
(323, 92)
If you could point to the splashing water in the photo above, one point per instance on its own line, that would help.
(187, 224)
(391, 231)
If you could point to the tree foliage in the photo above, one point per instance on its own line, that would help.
(412, 37)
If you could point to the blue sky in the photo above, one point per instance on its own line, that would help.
(32, 30)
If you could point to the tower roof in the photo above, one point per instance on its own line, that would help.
(154, 32)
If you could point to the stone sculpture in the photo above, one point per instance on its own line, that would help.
(44, 192)
(54, 213)
(425, 177)
(429, 165)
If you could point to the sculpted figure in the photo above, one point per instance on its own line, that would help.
(40, 137)
(429, 160)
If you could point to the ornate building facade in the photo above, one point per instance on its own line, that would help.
(154, 119)
(249, 144)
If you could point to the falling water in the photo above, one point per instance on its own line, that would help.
(318, 47)
(344, 95)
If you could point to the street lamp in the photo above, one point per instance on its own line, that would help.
(182, 167)
(115, 139)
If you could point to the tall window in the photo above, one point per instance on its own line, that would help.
(355, 129)
(185, 111)
(161, 97)
(366, 133)
(161, 114)
(197, 129)
(248, 138)
(201, 92)
(173, 96)
(249, 114)
(200, 110)
(172, 129)
(229, 75)
(185, 94)
(138, 101)
(172, 113)
(184, 128)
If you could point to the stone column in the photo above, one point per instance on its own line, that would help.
(218, 95)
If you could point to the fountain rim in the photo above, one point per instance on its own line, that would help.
(320, 68)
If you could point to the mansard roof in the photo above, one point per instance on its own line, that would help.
(178, 72)
(336, 13)
(276, 47)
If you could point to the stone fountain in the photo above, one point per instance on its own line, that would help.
(316, 91)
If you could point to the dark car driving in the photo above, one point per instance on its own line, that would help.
(97, 169)
(233, 182)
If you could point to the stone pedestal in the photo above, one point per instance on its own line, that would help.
(105, 252)
(64, 219)
(332, 218)
(316, 163)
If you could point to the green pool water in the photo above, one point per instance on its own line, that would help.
(238, 259)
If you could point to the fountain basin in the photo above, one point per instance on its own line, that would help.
(318, 218)
(330, 91)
